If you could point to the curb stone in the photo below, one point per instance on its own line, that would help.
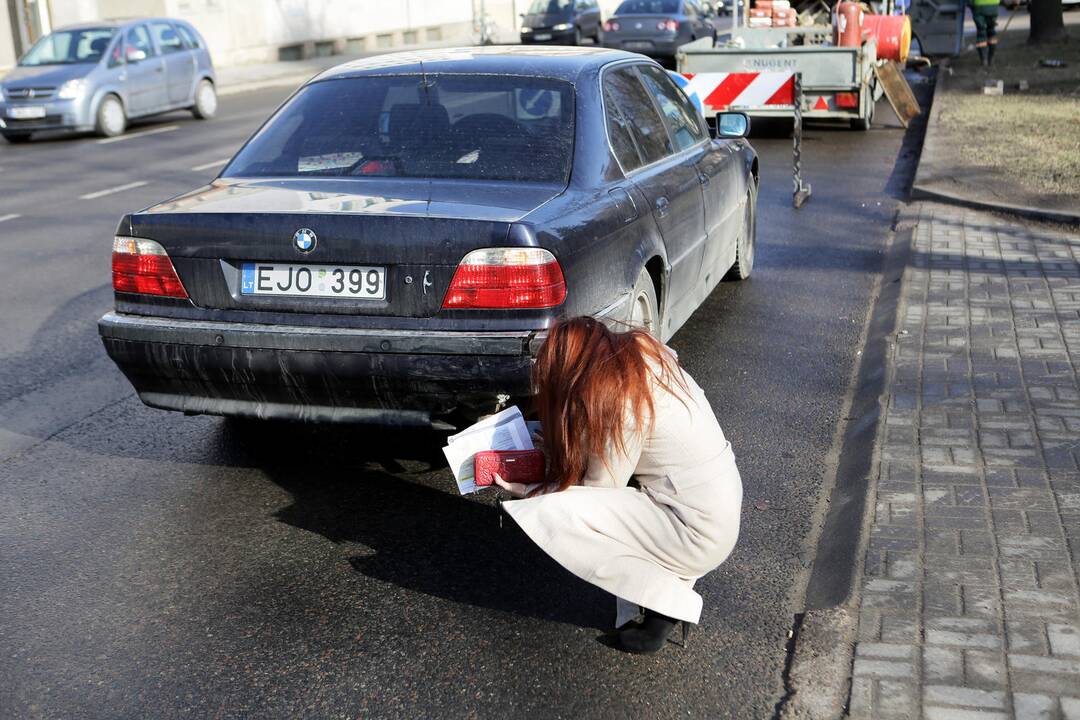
(921, 189)
(820, 672)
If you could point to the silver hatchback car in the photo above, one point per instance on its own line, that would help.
(98, 76)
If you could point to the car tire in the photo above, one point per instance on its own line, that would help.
(577, 36)
(206, 102)
(644, 308)
(17, 138)
(110, 119)
(746, 245)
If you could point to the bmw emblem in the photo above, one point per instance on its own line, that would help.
(305, 240)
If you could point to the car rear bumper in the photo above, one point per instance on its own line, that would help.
(316, 374)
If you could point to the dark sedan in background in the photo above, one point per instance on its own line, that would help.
(561, 22)
(392, 244)
(657, 28)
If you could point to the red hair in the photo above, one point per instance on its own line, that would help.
(590, 382)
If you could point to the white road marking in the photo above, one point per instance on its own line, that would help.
(207, 166)
(132, 136)
(110, 191)
(12, 216)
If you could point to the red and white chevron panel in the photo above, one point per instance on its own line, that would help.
(726, 91)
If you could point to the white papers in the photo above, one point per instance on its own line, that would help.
(503, 431)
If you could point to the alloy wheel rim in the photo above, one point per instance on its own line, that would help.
(642, 315)
(748, 237)
(113, 116)
(207, 99)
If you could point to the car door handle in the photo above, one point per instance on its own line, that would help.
(703, 179)
(662, 206)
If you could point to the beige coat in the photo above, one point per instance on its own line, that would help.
(648, 546)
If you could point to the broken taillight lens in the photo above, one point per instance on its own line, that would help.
(143, 267)
(507, 278)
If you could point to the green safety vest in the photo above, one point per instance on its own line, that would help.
(983, 3)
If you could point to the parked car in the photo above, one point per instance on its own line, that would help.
(561, 22)
(657, 28)
(99, 76)
(391, 245)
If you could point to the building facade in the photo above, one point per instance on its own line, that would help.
(245, 31)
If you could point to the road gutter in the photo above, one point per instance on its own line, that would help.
(817, 675)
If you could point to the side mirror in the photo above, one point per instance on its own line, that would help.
(135, 55)
(732, 125)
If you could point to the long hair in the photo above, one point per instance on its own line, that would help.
(590, 382)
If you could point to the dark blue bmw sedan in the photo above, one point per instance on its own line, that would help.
(391, 245)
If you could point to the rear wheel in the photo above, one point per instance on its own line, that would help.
(111, 119)
(577, 36)
(864, 123)
(205, 101)
(746, 244)
(645, 312)
(17, 138)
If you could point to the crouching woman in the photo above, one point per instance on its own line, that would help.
(616, 406)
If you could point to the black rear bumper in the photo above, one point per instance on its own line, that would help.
(316, 374)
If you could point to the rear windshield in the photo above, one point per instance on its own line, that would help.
(69, 47)
(648, 7)
(480, 127)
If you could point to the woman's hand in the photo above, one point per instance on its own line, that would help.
(518, 490)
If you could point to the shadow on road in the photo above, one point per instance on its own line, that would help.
(371, 493)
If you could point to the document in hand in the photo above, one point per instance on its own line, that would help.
(503, 431)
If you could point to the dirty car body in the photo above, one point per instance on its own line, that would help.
(450, 205)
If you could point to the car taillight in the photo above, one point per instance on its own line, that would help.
(847, 100)
(668, 25)
(507, 278)
(143, 267)
(611, 26)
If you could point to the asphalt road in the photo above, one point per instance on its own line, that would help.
(158, 565)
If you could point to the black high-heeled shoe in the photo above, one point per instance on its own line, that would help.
(650, 634)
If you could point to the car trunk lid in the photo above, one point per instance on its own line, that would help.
(418, 231)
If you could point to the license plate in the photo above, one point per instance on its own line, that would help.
(32, 112)
(331, 281)
(542, 36)
(637, 45)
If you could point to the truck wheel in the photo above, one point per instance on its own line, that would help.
(205, 101)
(111, 120)
(864, 123)
(644, 312)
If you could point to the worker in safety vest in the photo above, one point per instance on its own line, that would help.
(985, 15)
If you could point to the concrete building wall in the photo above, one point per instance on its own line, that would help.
(244, 31)
(7, 42)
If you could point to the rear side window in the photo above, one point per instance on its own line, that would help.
(623, 90)
(681, 117)
(189, 37)
(481, 127)
(167, 38)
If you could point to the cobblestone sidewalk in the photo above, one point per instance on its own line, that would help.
(969, 604)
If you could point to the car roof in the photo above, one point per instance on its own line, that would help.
(560, 62)
(111, 23)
